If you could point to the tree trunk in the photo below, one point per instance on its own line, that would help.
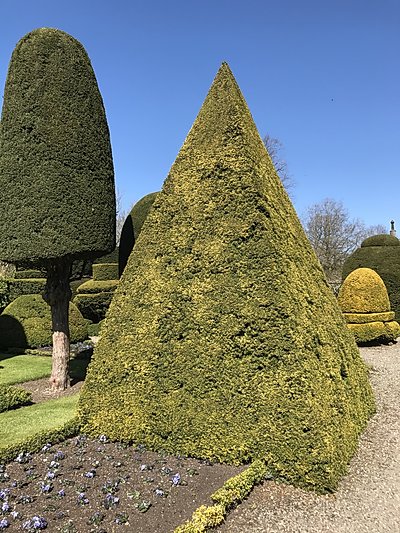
(57, 295)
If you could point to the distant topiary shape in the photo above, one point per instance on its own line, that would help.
(223, 339)
(132, 228)
(382, 254)
(364, 301)
(26, 323)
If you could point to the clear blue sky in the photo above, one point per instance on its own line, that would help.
(321, 76)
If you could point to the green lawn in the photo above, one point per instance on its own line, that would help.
(21, 423)
(20, 368)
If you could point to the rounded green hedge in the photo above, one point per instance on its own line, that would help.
(382, 239)
(93, 306)
(12, 397)
(26, 323)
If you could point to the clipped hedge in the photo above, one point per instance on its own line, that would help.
(26, 274)
(375, 332)
(36, 442)
(230, 494)
(223, 339)
(382, 254)
(12, 397)
(363, 318)
(26, 323)
(22, 286)
(105, 271)
(93, 297)
(95, 287)
(93, 306)
(364, 301)
(75, 284)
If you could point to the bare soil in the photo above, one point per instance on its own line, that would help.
(85, 485)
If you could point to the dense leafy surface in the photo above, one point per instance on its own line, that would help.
(223, 340)
(382, 254)
(54, 152)
(12, 397)
(26, 322)
(364, 301)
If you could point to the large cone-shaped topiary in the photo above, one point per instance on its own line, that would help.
(364, 301)
(223, 340)
(382, 254)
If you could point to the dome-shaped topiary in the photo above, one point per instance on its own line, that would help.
(132, 228)
(26, 323)
(365, 304)
(382, 254)
(382, 239)
(363, 291)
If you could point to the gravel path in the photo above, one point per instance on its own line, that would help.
(368, 498)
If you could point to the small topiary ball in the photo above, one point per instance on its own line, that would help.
(363, 291)
(26, 323)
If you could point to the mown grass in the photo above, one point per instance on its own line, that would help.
(20, 368)
(22, 423)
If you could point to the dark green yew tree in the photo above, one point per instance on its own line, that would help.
(56, 172)
(132, 228)
(223, 339)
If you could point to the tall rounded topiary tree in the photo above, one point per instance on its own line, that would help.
(223, 339)
(56, 170)
(132, 228)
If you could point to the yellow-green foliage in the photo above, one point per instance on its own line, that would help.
(26, 322)
(238, 487)
(94, 287)
(105, 271)
(203, 518)
(363, 291)
(231, 493)
(382, 254)
(13, 397)
(363, 318)
(377, 332)
(223, 339)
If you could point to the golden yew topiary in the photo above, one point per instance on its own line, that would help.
(363, 291)
(364, 301)
(223, 339)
